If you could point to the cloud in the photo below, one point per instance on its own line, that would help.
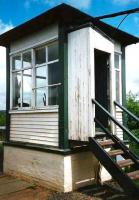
(82, 4)
(124, 2)
(132, 68)
(2, 77)
(5, 27)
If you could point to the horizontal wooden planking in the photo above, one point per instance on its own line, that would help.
(33, 126)
(55, 139)
(50, 110)
(49, 135)
(48, 131)
(35, 141)
(39, 128)
(119, 117)
(35, 115)
(34, 123)
(36, 119)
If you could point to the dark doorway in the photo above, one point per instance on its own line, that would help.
(102, 84)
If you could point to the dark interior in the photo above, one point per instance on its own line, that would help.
(102, 84)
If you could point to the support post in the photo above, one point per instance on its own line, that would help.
(63, 94)
(7, 94)
(124, 85)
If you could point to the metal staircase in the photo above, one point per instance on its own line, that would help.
(115, 156)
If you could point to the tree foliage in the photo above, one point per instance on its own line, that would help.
(133, 106)
(133, 125)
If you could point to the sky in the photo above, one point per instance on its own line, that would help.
(15, 12)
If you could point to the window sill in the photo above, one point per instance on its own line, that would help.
(35, 110)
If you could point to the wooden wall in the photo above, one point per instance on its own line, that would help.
(80, 84)
(119, 117)
(37, 128)
(45, 35)
(81, 46)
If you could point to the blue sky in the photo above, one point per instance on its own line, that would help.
(15, 12)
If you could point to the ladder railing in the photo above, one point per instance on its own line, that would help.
(119, 142)
(115, 121)
(127, 111)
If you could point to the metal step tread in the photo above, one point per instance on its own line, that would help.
(124, 163)
(115, 152)
(106, 143)
(134, 175)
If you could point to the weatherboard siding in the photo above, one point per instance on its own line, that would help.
(45, 35)
(37, 128)
(119, 117)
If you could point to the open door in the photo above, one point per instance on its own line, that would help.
(102, 84)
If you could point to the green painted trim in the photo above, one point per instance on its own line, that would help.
(48, 149)
(63, 92)
(124, 84)
(7, 94)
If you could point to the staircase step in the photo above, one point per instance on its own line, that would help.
(106, 143)
(124, 163)
(134, 175)
(100, 134)
(115, 152)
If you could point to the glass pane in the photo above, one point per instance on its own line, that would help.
(53, 52)
(53, 73)
(41, 99)
(117, 86)
(17, 89)
(41, 76)
(117, 61)
(27, 89)
(53, 95)
(16, 63)
(27, 59)
(40, 55)
(53, 78)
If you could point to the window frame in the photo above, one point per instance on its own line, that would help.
(119, 71)
(33, 67)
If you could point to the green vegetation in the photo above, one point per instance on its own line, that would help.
(133, 106)
(2, 118)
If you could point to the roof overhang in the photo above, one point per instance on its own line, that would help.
(69, 17)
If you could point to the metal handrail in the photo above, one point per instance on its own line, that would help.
(127, 111)
(135, 139)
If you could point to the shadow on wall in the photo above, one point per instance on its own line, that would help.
(84, 169)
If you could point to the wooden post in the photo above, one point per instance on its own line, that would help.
(63, 92)
(7, 94)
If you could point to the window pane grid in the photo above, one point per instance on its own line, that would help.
(117, 76)
(39, 79)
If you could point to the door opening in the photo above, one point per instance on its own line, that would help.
(102, 85)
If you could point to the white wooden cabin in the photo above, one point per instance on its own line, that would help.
(56, 64)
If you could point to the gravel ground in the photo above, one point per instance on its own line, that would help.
(70, 196)
(110, 191)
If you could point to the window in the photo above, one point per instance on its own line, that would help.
(35, 77)
(22, 75)
(117, 75)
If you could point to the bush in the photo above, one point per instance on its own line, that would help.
(134, 147)
(132, 106)
(133, 125)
